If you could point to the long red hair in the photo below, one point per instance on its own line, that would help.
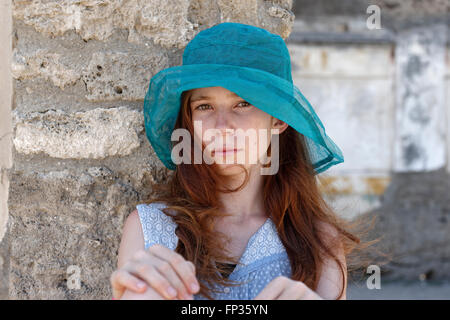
(291, 196)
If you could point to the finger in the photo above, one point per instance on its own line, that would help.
(181, 266)
(166, 269)
(117, 293)
(121, 280)
(149, 294)
(311, 295)
(273, 289)
(192, 266)
(147, 272)
(295, 291)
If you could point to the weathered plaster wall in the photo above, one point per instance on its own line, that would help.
(388, 106)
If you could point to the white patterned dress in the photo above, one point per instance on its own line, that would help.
(264, 257)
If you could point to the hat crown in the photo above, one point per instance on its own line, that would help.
(241, 45)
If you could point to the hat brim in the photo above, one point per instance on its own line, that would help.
(266, 91)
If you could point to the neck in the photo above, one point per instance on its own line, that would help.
(247, 203)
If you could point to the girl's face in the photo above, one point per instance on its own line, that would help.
(231, 123)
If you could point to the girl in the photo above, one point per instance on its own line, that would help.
(238, 229)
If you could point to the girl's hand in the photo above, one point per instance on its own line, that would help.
(283, 288)
(148, 294)
(161, 269)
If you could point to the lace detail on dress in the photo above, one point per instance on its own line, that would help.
(156, 226)
(264, 243)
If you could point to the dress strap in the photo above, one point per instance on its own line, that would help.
(157, 227)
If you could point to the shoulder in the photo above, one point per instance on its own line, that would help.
(152, 213)
(156, 226)
(146, 225)
(332, 278)
(132, 219)
(154, 208)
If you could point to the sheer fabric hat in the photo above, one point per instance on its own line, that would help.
(249, 61)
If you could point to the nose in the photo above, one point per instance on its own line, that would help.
(224, 124)
(222, 121)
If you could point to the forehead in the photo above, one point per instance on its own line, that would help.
(212, 92)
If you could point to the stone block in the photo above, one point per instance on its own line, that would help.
(167, 23)
(120, 75)
(97, 133)
(43, 64)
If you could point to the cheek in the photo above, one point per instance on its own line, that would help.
(262, 126)
(200, 130)
(260, 145)
(257, 141)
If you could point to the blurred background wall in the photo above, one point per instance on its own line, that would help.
(79, 159)
(383, 95)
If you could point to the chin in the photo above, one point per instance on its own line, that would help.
(231, 169)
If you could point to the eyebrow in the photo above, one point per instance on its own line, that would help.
(203, 97)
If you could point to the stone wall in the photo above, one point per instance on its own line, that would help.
(5, 139)
(81, 159)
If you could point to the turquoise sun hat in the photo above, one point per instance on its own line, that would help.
(249, 61)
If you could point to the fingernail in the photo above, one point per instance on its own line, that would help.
(171, 292)
(194, 287)
(140, 285)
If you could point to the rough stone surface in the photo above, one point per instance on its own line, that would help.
(6, 133)
(4, 193)
(81, 159)
(4, 267)
(64, 218)
(106, 75)
(165, 22)
(119, 75)
(43, 64)
(279, 17)
(97, 133)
